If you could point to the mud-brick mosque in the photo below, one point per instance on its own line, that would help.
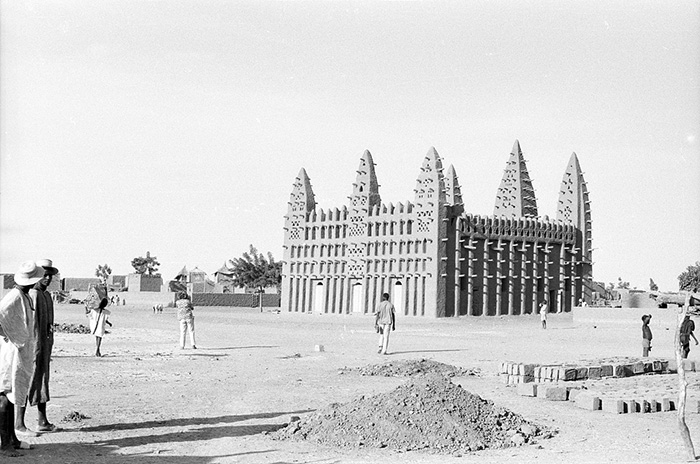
(432, 257)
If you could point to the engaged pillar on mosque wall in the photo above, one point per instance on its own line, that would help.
(523, 277)
(511, 277)
(498, 277)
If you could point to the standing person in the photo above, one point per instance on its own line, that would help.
(686, 331)
(646, 335)
(186, 318)
(98, 319)
(43, 333)
(544, 308)
(17, 347)
(385, 322)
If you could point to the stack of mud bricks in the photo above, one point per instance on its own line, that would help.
(517, 373)
(546, 382)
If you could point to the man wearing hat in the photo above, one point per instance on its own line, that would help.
(17, 346)
(43, 333)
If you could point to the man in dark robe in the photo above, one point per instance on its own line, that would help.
(43, 333)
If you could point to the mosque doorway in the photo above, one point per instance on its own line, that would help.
(357, 306)
(397, 298)
(319, 296)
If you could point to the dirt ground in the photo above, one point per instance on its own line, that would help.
(147, 401)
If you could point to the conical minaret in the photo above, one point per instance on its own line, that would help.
(431, 227)
(301, 202)
(365, 189)
(574, 208)
(453, 193)
(516, 197)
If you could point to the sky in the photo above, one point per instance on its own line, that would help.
(178, 127)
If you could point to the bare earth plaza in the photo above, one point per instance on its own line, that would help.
(349, 232)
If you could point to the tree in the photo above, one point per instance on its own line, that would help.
(652, 285)
(253, 270)
(103, 272)
(148, 265)
(690, 279)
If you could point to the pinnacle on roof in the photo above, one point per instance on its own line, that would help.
(365, 191)
(453, 192)
(515, 197)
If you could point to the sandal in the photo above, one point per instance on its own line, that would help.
(47, 428)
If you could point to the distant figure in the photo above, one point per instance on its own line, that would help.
(116, 300)
(544, 308)
(385, 322)
(186, 318)
(686, 331)
(98, 319)
(646, 335)
(583, 304)
(158, 308)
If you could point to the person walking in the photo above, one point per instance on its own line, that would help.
(384, 322)
(646, 335)
(544, 309)
(98, 320)
(186, 317)
(17, 347)
(43, 332)
(686, 331)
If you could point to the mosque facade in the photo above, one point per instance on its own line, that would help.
(433, 258)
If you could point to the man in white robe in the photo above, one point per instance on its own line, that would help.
(17, 347)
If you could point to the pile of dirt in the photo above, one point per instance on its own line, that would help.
(71, 328)
(74, 416)
(427, 413)
(410, 368)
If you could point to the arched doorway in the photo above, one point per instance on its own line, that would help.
(319, 297)
(357, 306)
(397, 298)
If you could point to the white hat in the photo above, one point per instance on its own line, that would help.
(29, 273)
(47, 264)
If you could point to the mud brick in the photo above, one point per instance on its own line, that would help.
(509, 370)
(638, 368)
(629, 370)
(688, 365)
(607, 370)
(536, 371)
(633, 406)
(613, 406)
(502, 368)
(670, 366)
(595, 372)
(573, 393)
(697, 410)
(618, 370)
(529, 370)
(569, 374)
(654, 406)
(582, 373)
(645, 406)
(657, 366)
(648, 366)
(504, 378)
(555, 374)
(588, 401)
(667, 405)
(519, 370)
(552, 393)
(527, 389)
(528, 379)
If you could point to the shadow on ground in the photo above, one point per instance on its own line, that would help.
(186, 421)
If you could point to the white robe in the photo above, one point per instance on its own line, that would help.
(16, 354)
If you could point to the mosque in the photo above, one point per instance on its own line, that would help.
(430, 256)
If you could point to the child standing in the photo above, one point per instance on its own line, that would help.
(98, 319)
(186, 318)
(543, 314)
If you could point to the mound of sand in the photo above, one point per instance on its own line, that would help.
(410, 368)
(427, 413)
